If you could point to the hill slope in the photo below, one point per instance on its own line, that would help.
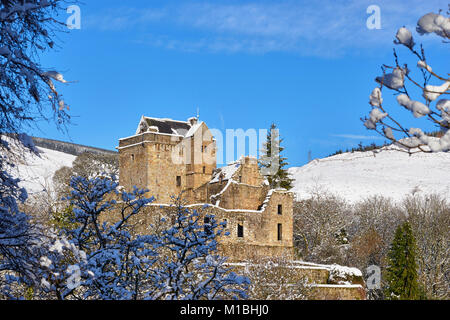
(388, 172)
(37, 171)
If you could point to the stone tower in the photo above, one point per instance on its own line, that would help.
(167, 157)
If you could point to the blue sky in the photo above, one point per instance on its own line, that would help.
(307, 66)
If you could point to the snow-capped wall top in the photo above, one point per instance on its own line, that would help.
(226, 172)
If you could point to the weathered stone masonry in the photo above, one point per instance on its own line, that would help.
(171, 157)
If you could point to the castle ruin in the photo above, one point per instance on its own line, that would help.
(170, 158)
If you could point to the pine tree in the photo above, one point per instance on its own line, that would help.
(276, 174)
(401, 276)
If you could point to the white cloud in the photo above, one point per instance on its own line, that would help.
(324, 28)
(357, 137)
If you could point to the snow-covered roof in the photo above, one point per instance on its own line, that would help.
(168, 126)
(227, 172)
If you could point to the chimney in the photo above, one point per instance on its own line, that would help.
(192, 121)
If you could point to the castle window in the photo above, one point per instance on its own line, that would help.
(280, 209)
(178, 181)
(240, 231)
(207, 226)
(240, 179)
(279, 232)
(204, 169)
(132, 157)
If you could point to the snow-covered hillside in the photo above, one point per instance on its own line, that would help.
(387, 172)
(37, 171)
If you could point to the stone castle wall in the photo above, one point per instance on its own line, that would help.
(321, 287)
(258, 235)
(259, 221)
(162, 164)
(170, 165)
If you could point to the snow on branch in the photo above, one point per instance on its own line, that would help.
(434, 23)
(434, 110)
(27, 92)
(104, 258)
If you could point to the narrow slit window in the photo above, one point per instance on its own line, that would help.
(280, 232)
(178, 181)
(240, 231)
(280, 209)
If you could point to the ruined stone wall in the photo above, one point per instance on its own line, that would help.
(249, 234)
(318, 279)
(259, 221)
(245, 190)
(242, 251)
(243, 196)
(336, 292)
(249, 172)
(272, 225)
(258, 224)
(272, 217)
(260, 231)
(213, 189)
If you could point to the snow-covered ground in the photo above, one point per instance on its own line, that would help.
(388, 172)
(37, 171)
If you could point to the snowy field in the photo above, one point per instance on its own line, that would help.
(36, 175)
(388, 172)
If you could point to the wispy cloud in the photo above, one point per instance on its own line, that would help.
(357, 137)
(324, 28)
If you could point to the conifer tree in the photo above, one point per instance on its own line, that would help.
(272, 163)
(401, 276)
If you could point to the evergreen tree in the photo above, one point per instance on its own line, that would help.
(272, 163)
(401, 276)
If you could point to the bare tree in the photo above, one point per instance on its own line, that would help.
(277, 278)
(87, 165)
(320, 224)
